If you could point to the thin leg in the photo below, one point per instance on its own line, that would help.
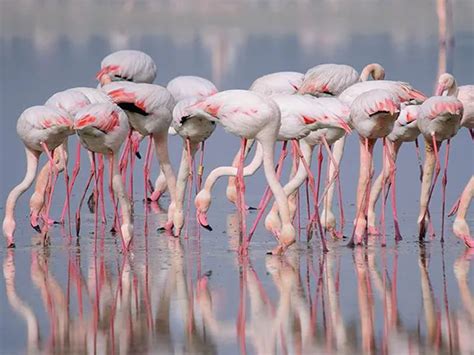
(146, 177)
(200, 167)
(101, 187)
(392, 157)
(384, 162)
(53, 178)
(240, 185)
(81, 201)
(315, 198)
(444, 183)
(75, 173)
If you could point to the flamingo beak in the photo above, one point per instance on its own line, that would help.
(345, 126)
(439, 90)
(202, 219)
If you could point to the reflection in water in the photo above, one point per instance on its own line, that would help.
(137, 304)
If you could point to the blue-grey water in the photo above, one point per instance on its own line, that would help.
(195, 294)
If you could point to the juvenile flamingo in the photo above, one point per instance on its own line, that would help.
(41, 129)
(248, 115)
(439, 119)
(405, 129)
(196, 131)
(127, 65)
(149, 109)
(102, 128)
(373, 115)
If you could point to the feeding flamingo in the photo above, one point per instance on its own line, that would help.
(41, 129)
(332, 80)
(149, 109)
(460, 226)
(373, 114)
(335, 112)
(268, 85)
(102, 128)
(248, 115)
(439, 119)
(197, 131)
(300, 116)
(404, 130)
(70, 101)
(127, 65)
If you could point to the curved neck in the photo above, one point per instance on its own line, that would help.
(231, 171)
(374, 70)
(273, 183)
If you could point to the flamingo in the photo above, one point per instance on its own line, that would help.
(286, 82)
(149, 109)
(405, 129)
(248, 115)
(186, 88)
(41, 129)
(332, 80)
(102, 128)
(373, 114)
(439, 119)
(70, 101)
(127, 65)
(337, 114)
(460, 226)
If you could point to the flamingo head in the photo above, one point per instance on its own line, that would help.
(202, 203)
(446, 83)
(408, 114)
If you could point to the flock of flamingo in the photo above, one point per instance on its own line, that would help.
(318, 108)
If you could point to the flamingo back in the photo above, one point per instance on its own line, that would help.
(129, 65)
(70, 100)
(46, 124)
(278, 83)
(440, 116)
(183, 87)
(328, 79)
(196, 127)
(95, 96)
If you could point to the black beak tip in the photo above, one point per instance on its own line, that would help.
(207, 226)
(161, 229)
(184, 119)
(138, 155)
(37, 228)
(250, 208)
(11, 246)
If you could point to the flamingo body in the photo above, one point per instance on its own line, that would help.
(441, 116)
(128, 65)
(187, 86)
(278, 83)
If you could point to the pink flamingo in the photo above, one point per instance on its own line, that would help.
(337, 116)
(102, 128)
(248, 115)
(270, 84)
(460, 226)
(439, 119)
(194, 132)
(70, 101)
(332, 80)
(127, 65)
(373, 114)
(300, 115)
(41, 129)
(149, 109)
(405, 129)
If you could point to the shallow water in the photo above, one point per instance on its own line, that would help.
(195, 294)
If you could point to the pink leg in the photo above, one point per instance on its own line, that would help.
(124, 158)
(78, 212)
(420, 165)
(101, 187)
(53, 178)
(444, 183)
(75, 172)
(116, 223)
(240, 185)
(146, 178)
(337, 179)
(96, 200)
(267, 194)
(190, 183)
(315, 198)
(384, 162)
(132, 169)
(200, 168)
(68, 197)
(391, 160)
